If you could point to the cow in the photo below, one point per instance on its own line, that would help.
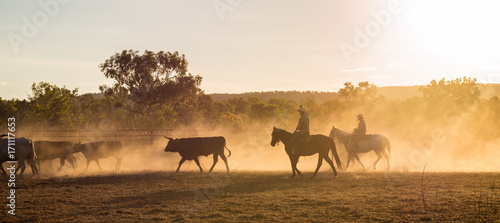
(191, 148)
(102, 149)
(49, 150)
(24, 151)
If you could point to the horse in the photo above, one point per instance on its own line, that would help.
(377, 143)
(318, 144)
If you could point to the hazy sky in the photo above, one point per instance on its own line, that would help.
(252, 45)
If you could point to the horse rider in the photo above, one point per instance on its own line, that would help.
(359, 132)
(302, 129)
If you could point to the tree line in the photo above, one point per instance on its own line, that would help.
(154, 90)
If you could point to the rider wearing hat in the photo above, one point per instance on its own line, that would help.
(359, 132)
(302, 129)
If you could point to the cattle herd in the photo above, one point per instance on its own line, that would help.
(33, 152)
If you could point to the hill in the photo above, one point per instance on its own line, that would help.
(298, 96)
(391, 92)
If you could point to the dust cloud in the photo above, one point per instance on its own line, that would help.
(443, 140)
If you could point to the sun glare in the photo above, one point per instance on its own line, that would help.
(457, 29)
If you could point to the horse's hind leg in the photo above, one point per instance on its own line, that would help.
(329, 161)
(359, 160)
(320, 161)
(386, 156)
(379, 156)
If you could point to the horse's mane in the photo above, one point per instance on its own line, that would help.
(339, 129)
(282, 130)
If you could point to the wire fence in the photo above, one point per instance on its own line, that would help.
(151, 135)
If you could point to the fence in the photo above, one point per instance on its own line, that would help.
(118, 135)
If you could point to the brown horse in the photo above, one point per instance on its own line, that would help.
(318, 144)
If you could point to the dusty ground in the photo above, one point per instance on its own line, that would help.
(257, 197)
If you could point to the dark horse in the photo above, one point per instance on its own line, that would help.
(318, 144)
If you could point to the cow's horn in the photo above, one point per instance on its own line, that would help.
(169, 138)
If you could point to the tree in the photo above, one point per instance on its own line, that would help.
(143, 81)
(363, 92)
(51, 105)
(262, 112)
(461, 91)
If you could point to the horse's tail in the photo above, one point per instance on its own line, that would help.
(333, 147)
(225, 146)
(388, 145)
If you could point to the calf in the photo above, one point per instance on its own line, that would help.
(103, 149)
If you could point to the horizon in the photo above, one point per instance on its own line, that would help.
(252, 46)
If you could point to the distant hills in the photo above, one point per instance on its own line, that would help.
(391, 92)
(319, 97)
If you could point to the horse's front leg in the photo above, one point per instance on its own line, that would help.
(291, 163)
(359, 161)
(349, 157)
(294, 160)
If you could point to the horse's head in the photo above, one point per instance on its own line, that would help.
(333, 133)
(275, 138)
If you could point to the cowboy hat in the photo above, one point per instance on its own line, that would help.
(302, 109)
(360, 116)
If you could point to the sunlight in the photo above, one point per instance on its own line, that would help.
(456, 29)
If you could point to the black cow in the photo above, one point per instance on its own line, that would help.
(191, 148)
(24, 151)
(49, 150)
(101, 149)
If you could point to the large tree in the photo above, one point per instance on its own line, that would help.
(461, 91)
(143, 81)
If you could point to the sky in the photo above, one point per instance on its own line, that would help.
(252, 45)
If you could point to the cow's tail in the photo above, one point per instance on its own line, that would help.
(32, 145)
(121, 150)
(333, 147)
(227, 149)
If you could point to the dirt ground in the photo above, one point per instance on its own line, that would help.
(257, 197)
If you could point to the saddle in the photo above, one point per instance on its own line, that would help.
(308, 138)
(304, 139)
(365, 138)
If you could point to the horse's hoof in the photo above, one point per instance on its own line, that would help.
(291, 177)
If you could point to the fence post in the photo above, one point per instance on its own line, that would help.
(152, 138)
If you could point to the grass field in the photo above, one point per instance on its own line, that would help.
(258, 197)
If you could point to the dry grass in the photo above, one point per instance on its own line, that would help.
(255, 197)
